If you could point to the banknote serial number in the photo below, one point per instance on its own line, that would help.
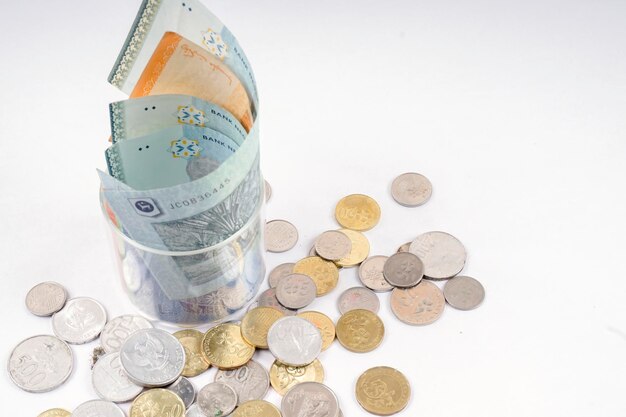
(198, 198)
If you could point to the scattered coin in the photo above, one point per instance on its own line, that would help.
(419, 305)
(296, 291)
(333, 245)
(184, 389)
(96, 354)
(358, 298)
(268, 191)
(360, 331)
(464, 293)
(158, 402)
(217, 399)
(280, 236)
(278, 273)
(324, 273)
(405, 247)
(250, 381)
(46, 298)
(268, 299)
(383, 391)
(307, 397)
(117, 330)
(357, 212)
(442, 254)
(99, 408)
(256, 323)
(371, 274)
(411, 189)
(257, 408)
(360, 249)
(191, 339)
(194, 411)
(55, 412)
(80, 321)
(323, 323)
(40, 363)
(283, 377)
(403, 269)
(111, 382)
(294, 341)
(225, 347)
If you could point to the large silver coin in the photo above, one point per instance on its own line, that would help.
(280, 236)
(358, 298)
(310, 399)
(464, 293)
(278, 273)
(152, 358)
(294, 341)
(442, 254)
(411, 189)
(250, 381)
(371, 274)
(118, 329)
(80, 321)
(98, 408)
(268, 299)
(194, 411)
(333, 245)
(296, 291)
(403, 270)
(46, 298)
(185, 390)
(217, 399)
(40, 363)
(111, 382)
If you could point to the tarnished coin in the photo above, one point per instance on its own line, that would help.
(250, 381)
(268, 191)
(296, 291)
(294, 341)
(411, 189)
(55, 412)
(419, 305)
(195, 363)
(217, 399)
(405, 247)
(311, 397)
(323, 323)
(40, 363)
(360, 331)
(46, 298)
(403, 270)
(118, 329)
(256, 323)
(464, 293)
(383, 391)
(268, 299)
(184, 389)
(111, 382)
(324, 273)
(225, 347)
(80, 321)
(257, 408)
(360, 249)
(194, 411)
(283, 377)
(357, 212)
(157, 402)
(358, 298)
(280, 236)
(442, 254)
(333, 245)
(98, 408)
(152, 358)
(278, 273)
(371, 274)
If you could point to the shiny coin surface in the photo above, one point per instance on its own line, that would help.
(268, 299)
(225, 347)
(294, 341)
(152, 358)
(296, 291)
(194, 411)
(360, 331)
(283, 377)
(371, 274)
(403, 270)
(359, 251)
(324, 273)
(257, 408)
(80, 321)
(443, 255)
(405, 247)
(55, 412)
(111, 382)
(278, 273)
(98, 408)
(40, 363)
(383, 391)
(256, 323)
(191, 339)
(217, 399)
(464, 293)
(358, 298)
(323, 323)
(280, 236)
(411, 189)
(312, 397)
(117, 330)
(333, 245)
(357, 212)
(268, 191)
(46, 298)
(184, 389)
(250, 381)
(419, 305)
(158, 402)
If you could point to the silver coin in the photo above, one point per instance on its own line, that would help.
(250, 381)
(111, 382)
(280, 236)
(40, 363)
(194, 411)
(80, 321)
(310, 399)
(411, 189)
(312, 252)
(278, 273)
(268, 299)
(98, 408)
(268, 191)
(371, 274)
(46, 298)
(217, 399)
(152, 358)
(118, 329)
(464, 293)
(358, 298)
(184, 389)
(405, 247)
(296, 291)
(443, 255)
(333, 245)
(403, 270)
(294, 341)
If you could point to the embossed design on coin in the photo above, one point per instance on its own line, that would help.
(411, 189)
(323, 323)
(250, 381)
(184, 389)
(280, 236)
(98, 408)
(360, 331)
(158, 402)
(360, 249)
(118, 329)
(333, 245)
(296, 291)
(419, 305)
(80, 321)
(256, 323)
(283, 377)
(268, 299)
(294, 341)
(357, 212)
(278, 273)
(191, 339)
(383, 391)
(371, 274)
(257, 408)
(55, 412)
(46, 298)
(324, 273)
(111, 382)
(310, 399)
(442, 254)
(358, 298)
(403, 270)
(217, 399)
(225, 347)
(464, 293)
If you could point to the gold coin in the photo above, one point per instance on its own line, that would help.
(158, 402)
(383, 391)
(257, 408)
(191, 340)
(360, 330)
(283, 377)
(360, 248)
(323, 323)
(324, 273)
(225, 347)
(55, 412)
(357, 212)
(256, 323)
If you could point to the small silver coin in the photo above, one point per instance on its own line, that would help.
(98, 408)
(268, 299)
(280, 236)
(403, 270)
(278, 273)
(309, 399)
(294, 341)
(312, 252)
(411, 189)
(111, 382)
(250, 381)
(333, 245)
(268, 191)
(371, 274)
(184, 389)
(296, 291)
(80, 321)
(117, 330)
(358, 298)
(46, 298)
(194, 411)
(464, 293)
(405, 247)
(443, 255)
(152, 358)
(217, 399)
(40, 363)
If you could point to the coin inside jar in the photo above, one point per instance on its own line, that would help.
(280, 236)
(333, 245)
(419, 305)
(411, 189)
(371, 274)
(294, 341)
(383, 382)
(464, 293)
(46, 298)
(358, 298)
(403, 270)
(296, 291)
(360, 331)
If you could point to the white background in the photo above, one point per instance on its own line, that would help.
(515, 110)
